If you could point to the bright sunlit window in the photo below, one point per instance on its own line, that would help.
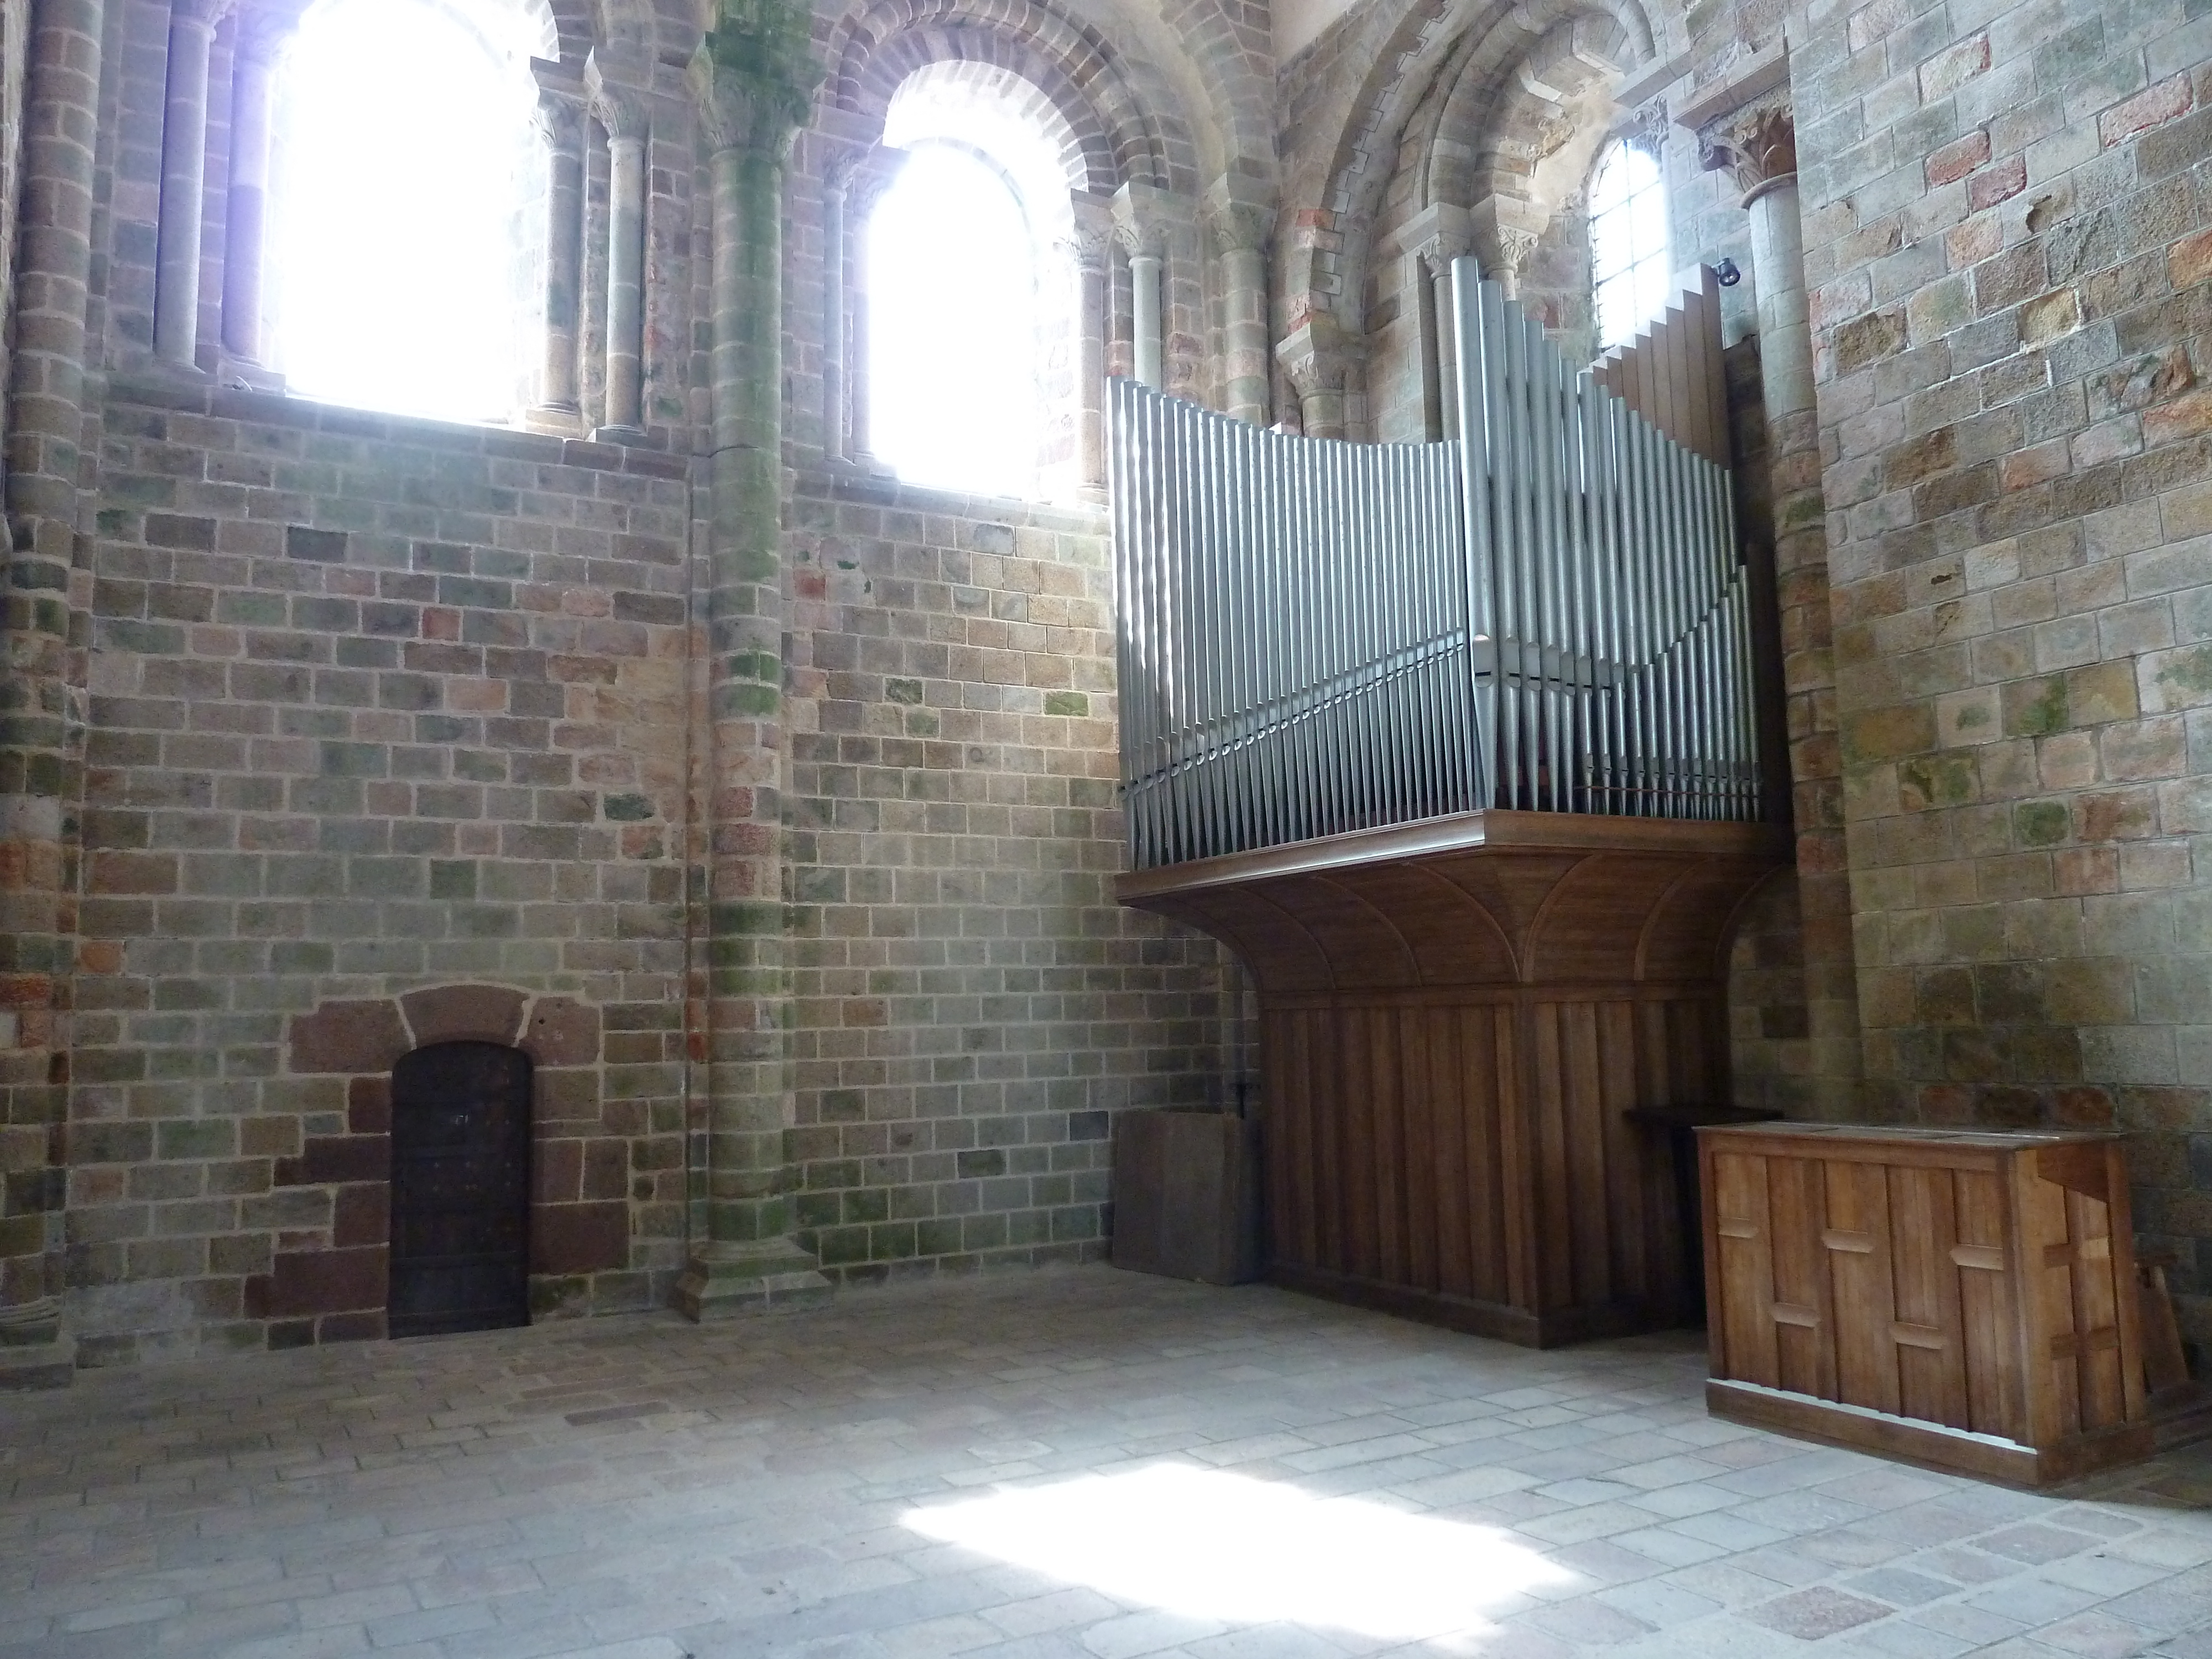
(408, 230)
(1209, 1545)
(969, 289)
(953, 372)
(1628, 242)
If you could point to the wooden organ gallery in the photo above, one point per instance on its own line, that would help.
(1464, 749)
(1457, 746)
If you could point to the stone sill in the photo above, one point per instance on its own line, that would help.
(846, 482)
(160, 391)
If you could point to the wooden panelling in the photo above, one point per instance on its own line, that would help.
(1971, 1284)
(1455, 1022)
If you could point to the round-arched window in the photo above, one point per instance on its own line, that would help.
(408, 230)
(1629, 264)
(954, 370)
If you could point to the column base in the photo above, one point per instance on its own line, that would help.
(775, 1275)
(33, 1353)
(620, 435)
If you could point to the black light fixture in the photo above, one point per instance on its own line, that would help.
(1727, 272)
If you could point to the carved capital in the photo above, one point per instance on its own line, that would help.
(1144, 216)
(263, 26)
(870, 174)
(1758, 145)
(1506, 230)
(841, 171)
(1436, 236)
(1745, 121)
(612, 92)
(1091, 236)
(1313, 355)
(755, 73)
(559, 114)
(1241, 222)
(1514, 247)
(1646, 129)
(203, 14)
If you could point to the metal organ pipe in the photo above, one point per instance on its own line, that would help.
(1549, 613)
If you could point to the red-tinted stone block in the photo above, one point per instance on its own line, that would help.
(2151, 107)
(304, 1282)
(557, 1172)
(562, 1032)
(349, 1036)
(463, 1013)
(368, 1106)
(337, 1159)
(579, 1238)
(363, 1215)
(606, 1170)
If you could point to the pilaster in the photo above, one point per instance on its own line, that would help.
(612, 86)
(1746, 126)
(754, 76)
(42, 716)
(1241, 224)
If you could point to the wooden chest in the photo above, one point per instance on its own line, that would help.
(1956, 1297)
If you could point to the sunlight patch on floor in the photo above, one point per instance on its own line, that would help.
(1211, 1545)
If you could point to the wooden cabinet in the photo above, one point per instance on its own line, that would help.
(1956, 1297)
(1456, 1019)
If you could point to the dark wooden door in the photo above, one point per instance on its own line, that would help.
(461, 1189)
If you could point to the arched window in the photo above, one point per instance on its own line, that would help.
(1629, 264)
(970, 292)
(408, 233)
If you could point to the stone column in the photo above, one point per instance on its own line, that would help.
(1137, 226)
(1758, 145)
(561, 119)
(622, 112)
(1093, 239)
(246, 218)
(184, 182)
(1313, 358)
(1240, 228)
(836, 293)
(1503, 231)
(753, 75)
(877, 170)
(41, 719)
(1436, 236)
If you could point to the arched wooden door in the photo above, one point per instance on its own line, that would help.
(461, 1189)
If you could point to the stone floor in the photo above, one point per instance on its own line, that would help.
(1071, 1464)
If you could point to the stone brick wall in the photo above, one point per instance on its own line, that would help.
(15, 35)
(2007, 234)
(973, 1008)
(379, 708)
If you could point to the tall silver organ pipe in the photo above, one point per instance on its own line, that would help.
(1548, 614)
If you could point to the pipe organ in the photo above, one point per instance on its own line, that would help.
(1548, 614)
(1456, 746)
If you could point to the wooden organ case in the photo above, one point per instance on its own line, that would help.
(1961, 1298)
(1457, 746)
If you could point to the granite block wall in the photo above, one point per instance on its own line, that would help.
(14, 55)
(2009, 232)
(973, 1008)
(381, 711)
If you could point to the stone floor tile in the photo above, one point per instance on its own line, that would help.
(1899, 1587)
(2095, 1635)
(1900, 1638)
(642, 1487)
(1810, 1614)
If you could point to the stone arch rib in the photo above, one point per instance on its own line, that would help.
(871, 50)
